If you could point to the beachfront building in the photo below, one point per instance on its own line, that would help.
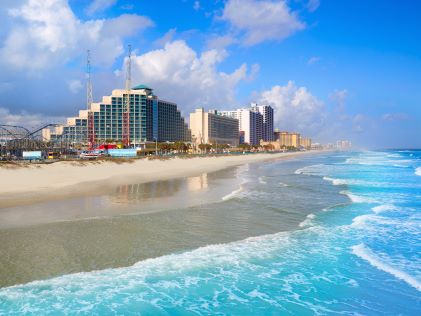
(267, 120)
(150, 119)
(287, 140)
(255, 124)
(305, 142)
(213, 128)
(250, 125)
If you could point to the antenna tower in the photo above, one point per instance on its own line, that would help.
(89, 100)
(126, 113)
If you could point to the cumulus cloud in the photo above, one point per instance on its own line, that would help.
(99, 5)
(296, 109)
(28, 120)
(178, 73)
(258, 21)
(168, 37)
(46, 33)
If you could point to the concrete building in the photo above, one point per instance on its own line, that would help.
(343, 144)
(150, 119)
(285, 139)
(289, 139)
(305, 142)
(211, 127)
(250, 124)
(267, 124)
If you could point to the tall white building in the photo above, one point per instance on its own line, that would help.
(249, 124)
(267, 124)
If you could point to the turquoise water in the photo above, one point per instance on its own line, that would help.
(361, 257)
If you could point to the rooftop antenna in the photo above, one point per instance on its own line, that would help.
(89, 100)
(126, 114)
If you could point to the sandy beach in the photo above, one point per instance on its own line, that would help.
(38, 183)
(129, 212)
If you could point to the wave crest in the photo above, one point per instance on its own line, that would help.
(368, 255)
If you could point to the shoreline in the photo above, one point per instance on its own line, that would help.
(62, 180)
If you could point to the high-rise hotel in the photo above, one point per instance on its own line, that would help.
(254, 124)
(150, 119)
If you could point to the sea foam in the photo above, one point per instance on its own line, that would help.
(383, 208)
(418, 171)
(365, 253)
(358, 198)
(233, 194)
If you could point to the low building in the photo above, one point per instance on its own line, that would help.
(287, 139)
(305, 142)
(213, 128)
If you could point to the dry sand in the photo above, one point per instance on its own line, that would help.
(59, 180)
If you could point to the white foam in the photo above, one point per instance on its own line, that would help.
(308, 221)
(361, 220)
(336, 181)
(358, 198)
(383, 208)
(262, 180)
(418, 171)
(283, 184)
(233, 194)
(365, 253)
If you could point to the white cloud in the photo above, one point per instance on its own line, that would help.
(196, 5)
(179, 74)
(339, 98)
(168, 37)
(259, 21)
(26, 119)
(296, 109)
(312, 5)
(313, 60)
(220, 42)
(395, 117)
(46, 33)
(99, 5)
(74, 86)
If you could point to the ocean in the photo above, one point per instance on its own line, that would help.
(338, 233)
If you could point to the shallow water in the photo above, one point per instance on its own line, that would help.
(332, 234)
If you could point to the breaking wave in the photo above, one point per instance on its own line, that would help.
(365, 253)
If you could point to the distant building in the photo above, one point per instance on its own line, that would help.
(211, 127)
(288, 139)
(305, 142)
(343, 144)
(150, 119)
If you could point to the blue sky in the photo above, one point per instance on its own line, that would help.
(331, 69)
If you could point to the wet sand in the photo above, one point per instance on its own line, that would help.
(39, 183)
(136, 221)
